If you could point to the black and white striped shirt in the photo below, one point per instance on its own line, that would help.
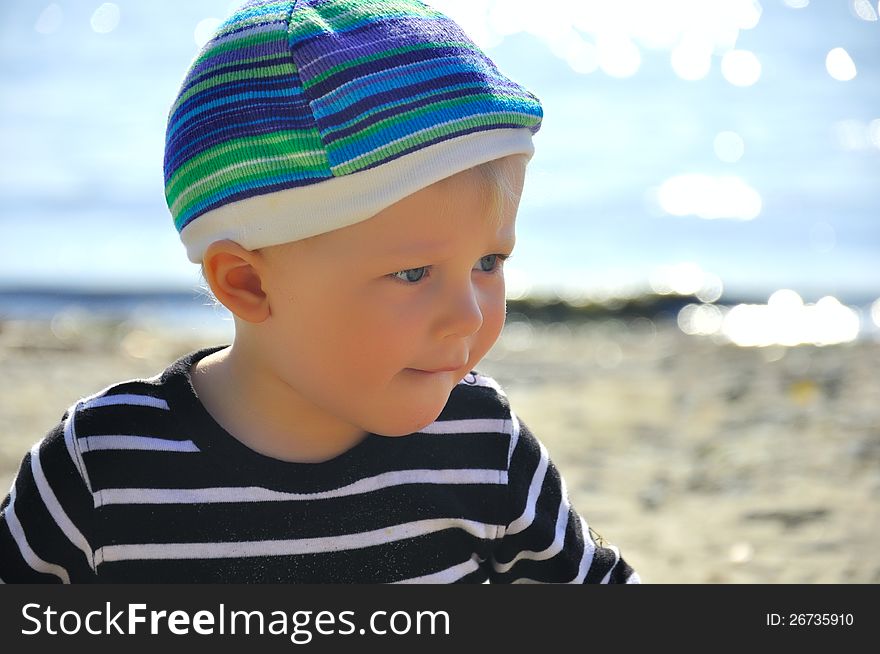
(139, 484)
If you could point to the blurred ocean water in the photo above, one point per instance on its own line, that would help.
(731, 144)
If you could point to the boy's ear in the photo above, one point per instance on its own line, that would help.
(233, 273)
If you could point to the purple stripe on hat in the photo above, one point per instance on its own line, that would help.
(370, 40)
(450, 86)
(210, 53)
(207, 136)
(272, 15)
(354, 73)
(242, 113)
(250, 100)
(210, 57)
(231, 61)
(397, 77)
(210, 108)
(405, 84)
(239, 88)
(246, 110)
(330, 134)
(323, 51)
(408, 125)
(212, 136)
(279, 26)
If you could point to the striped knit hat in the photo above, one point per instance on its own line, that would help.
(303, 116)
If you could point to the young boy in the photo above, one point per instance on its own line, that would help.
(347, 172)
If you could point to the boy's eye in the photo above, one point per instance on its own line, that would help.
(487, 263)
(411, 275)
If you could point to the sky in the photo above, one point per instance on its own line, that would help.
(710, 145)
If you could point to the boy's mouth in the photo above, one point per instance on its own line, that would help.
(435, 370)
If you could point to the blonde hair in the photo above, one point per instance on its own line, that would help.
(497, 175)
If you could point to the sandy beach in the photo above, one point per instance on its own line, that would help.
(703, 461)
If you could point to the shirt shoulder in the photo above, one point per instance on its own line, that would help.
(134, 403)
(477, 396)
(133, 431)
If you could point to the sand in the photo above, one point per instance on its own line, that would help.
(704, 462)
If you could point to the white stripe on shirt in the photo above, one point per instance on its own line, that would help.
(528, 514)
(50, 501)
(607, 576)
(30, 557)
(336, 543)
(476, 425)
(259, 494)
(447, 576)
(126, 399)
(551, 550)
(72, 447)
(127, 442)
(587, 557)
(514, 437)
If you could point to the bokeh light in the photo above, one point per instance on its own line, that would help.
(682, 279)
(618, 56)
(729, 146)
(874, 132)
(741, 67)
(692, 59)
(596, 34)
(205, 30)
(700, 319)
(840, 65)
(686, 278)
(581, 55)
(712, 288)
(823, 237)
(517, 283)
(864, 10)
(787, 320)
(50, 19)
(709, 197)
(853, 134)
(106, 18)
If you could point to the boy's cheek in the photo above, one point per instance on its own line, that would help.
(497, 328)
(493, 324)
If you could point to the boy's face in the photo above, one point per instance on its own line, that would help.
(374, 324)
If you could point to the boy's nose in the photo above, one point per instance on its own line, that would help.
(462, 315)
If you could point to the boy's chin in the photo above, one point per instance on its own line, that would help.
(399, 431)
(409, 425)
(414, 401)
